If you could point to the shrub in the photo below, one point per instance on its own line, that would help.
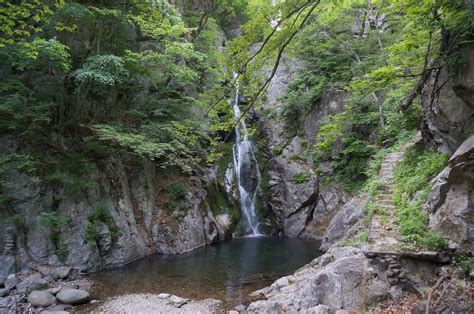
(55, 222)
(52, 219)
(178, 191)
(436, 241)
(171, 205)
(100, 214)
(361, 237)
(300, 177)
(303, 93)
(412, 185)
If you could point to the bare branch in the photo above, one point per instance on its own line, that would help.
(275, 28)
(275, 66)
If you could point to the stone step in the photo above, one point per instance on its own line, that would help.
(393, 158)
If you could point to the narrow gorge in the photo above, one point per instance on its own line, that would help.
(247, 156)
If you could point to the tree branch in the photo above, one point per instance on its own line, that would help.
(275, 66)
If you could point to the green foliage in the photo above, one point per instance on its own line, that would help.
(328, 134)
(361, 237)
(300, 177)
(42, 55)
(56, 225)
(52, 219)
(178, 191)
(373, 186)
(72, 172)
(163, 143)
(301, 96)
(464, 262)
(25, 163)
(100, 214)
(171, 205)
(412, 179)
(176, 194)
(219, 203)
(21, 19)
(103, 70)
(435, 241)
(82, 67)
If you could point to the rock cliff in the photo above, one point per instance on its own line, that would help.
(302, 205)
(448, 106)
(123, 216)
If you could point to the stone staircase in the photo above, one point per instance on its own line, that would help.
(383, 227)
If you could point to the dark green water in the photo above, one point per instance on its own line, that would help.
(228, 271)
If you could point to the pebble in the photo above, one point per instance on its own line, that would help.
(177, 301)
(164, 295)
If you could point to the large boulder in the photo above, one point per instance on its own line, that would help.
(41, 299)
(303, 207)
(31, 283)
(63, 272)
(73, 296)
(346, 223)
(343, 278)
(451, 200)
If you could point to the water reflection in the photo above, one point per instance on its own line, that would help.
(228, 271)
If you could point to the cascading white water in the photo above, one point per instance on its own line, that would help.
(247, 172)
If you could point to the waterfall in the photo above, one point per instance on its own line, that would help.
(247, 172)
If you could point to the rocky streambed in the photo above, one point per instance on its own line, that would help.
(44, 289)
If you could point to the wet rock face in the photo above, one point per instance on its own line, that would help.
(451, 200)
(448, 103)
